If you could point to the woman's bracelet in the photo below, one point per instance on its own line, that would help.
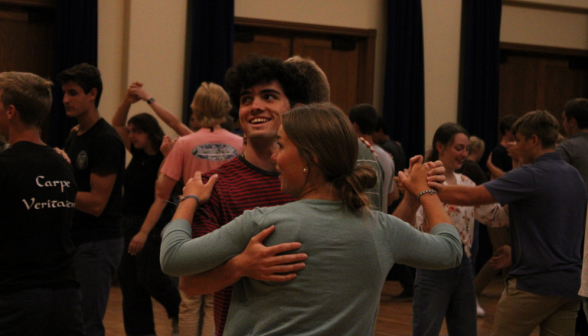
(428, 191)
(194, 197)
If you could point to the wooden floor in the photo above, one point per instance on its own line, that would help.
(394, 318)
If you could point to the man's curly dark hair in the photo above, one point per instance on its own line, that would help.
(255, 69)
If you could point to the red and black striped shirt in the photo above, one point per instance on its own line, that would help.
(241, 186)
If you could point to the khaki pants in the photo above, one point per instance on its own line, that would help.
(518, 313)
(192, 308)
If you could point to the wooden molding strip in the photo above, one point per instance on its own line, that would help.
(543, 49)
(14, 16)
(304, 27)
(537, 5)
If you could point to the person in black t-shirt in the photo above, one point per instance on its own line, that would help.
(500, 157)
(98, 157)
(38, 291)
(140, 273)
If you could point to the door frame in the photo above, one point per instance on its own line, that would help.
(366, 45)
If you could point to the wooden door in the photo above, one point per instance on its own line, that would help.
(275, 46)
(349, 65)
(340, 66)
(27, 40)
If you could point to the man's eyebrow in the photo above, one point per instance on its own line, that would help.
(270, 91)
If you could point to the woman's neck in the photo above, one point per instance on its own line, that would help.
(149, 150)
(449, 175)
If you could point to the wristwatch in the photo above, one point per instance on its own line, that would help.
(151, 100)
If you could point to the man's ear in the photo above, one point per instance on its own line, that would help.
(535, 140)
(93, 93)
(11, 112)
(573, 122)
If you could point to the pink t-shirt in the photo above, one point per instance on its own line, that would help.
(201, 151)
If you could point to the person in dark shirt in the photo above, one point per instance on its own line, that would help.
(547, 217)
(500, 157)
(140, 273)
(38, 291)
(97, 154)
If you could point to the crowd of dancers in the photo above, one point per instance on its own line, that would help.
(286, 219)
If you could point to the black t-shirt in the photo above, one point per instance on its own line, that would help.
(501, 159)
(99, 150)
(397, 152)
(37, 195)
(472, 170)
(139, 187)
(140, 177)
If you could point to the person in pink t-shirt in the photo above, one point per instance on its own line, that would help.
(206, 149)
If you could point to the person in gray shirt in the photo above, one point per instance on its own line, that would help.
(575, 152)
(350, 249)
(575, 149)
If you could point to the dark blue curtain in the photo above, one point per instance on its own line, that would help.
(404, 90)
(210, 44)
(480, 69)
(76, 41)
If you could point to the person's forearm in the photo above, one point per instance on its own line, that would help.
(170, 119)
(495, 171)
(211, 281)
(434, 210)
(407, 209)
(153, 215)
(120, 117)
(88, 203)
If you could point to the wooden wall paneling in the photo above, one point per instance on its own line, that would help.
(276, 46)
(562, 84)
(27, 46)
(367, 65)
(301, 33)
(518, 90)
(341, 68)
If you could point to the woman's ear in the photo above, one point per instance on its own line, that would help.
(439, 146)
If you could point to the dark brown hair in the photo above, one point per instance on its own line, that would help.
(324, 132)
(445, 135)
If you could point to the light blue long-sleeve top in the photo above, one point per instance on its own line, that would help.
(349, 256)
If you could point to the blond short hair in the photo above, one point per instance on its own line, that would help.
(477, 144)
(29, 94)
(210, 105)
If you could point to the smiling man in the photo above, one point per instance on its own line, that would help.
(547, 206)
(97, 155)
(263, 88)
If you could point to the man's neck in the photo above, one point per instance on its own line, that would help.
(24, 134)
(540, 152)
(87, 120)
(260, 155)
(578, 131)
(367, 138)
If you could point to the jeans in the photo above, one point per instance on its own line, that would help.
(95, 262)
(445, 294)
(41, 312)
(141, 278)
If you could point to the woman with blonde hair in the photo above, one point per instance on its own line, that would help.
(350, 248)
